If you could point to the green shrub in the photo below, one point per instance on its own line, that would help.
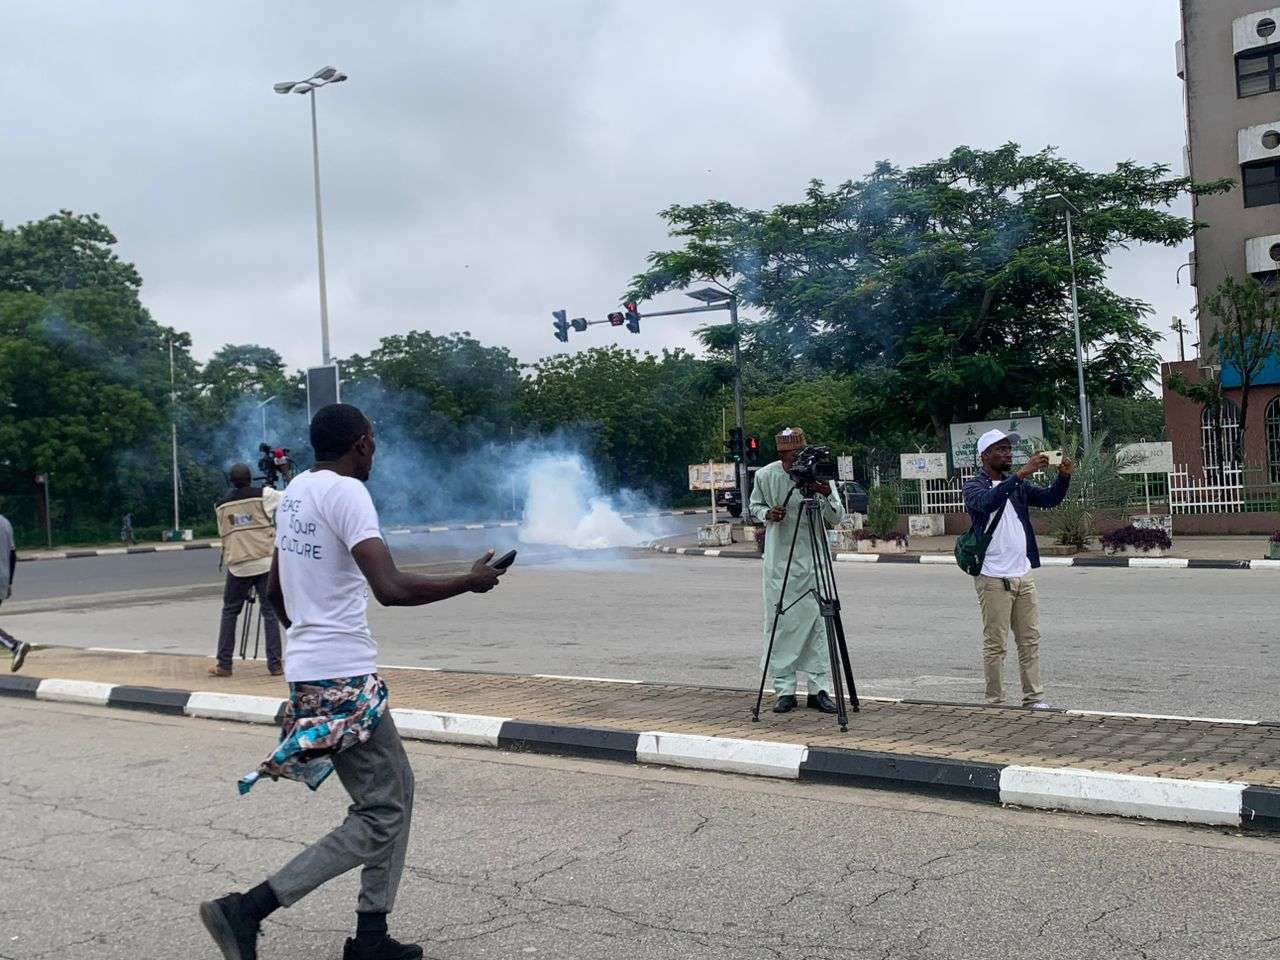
(882, 510)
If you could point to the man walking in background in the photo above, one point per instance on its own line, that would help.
(800, 643)
(1006, 590)
(246, 524)
(329, 555)
(18, 650)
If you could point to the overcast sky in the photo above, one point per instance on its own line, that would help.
(488, 162)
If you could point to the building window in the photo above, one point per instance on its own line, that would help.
(1218, 441)
(1261, 183)
(1258, 71)
(1271, 420)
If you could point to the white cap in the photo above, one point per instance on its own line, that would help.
(992, 437)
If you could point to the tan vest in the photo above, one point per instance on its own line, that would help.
(246, 530)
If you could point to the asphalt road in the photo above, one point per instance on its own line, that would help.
(1183, 642)
(117, 825)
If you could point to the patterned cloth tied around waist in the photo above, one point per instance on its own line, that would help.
(322, 717)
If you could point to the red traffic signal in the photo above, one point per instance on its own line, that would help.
(633, 317)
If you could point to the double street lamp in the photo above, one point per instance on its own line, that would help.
(321, 78)
(1060, 201)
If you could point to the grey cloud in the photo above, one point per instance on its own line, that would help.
(491, 161)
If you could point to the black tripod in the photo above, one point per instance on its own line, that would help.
(250, 608)
(828, 597)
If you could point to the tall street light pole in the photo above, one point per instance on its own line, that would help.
(320, 78)
(1060, 200)
(262, 408)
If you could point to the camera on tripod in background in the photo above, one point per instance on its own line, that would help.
(274, 464)
(814, 464)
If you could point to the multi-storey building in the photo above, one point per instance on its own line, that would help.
(1229, 60)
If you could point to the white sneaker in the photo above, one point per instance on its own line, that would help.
(19, 655)
(1039, 705)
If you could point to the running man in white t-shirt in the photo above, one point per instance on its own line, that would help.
(329, 555)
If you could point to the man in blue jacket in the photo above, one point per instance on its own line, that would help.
(1006, 590)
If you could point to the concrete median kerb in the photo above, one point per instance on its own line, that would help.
(32, 556)
(1178, 769)
(946, 560)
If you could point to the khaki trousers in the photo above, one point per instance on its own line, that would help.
(1010, 603)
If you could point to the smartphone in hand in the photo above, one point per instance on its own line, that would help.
(1055, 457)
(504, 561)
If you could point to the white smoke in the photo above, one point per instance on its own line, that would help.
(565, 507)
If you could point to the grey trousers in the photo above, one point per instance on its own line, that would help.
(375, 833)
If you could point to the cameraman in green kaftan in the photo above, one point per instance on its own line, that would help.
(800, 645)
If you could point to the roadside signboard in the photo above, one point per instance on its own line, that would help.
(1145, 458)
(844, 466)
(924, 466)
(964, 439)
(712, 476)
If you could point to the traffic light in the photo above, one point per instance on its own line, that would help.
(616, 319)
(733, 446)
(633, 317)
(753, 450)
(561, 325)
(580, 324)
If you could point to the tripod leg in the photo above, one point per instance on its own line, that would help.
(257, 633)
(245, 613)
(777, 615)
(828, 609)
(844, 660)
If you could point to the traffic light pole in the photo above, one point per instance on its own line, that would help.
(739, 408)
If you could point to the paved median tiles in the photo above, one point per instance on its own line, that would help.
(1180, 769)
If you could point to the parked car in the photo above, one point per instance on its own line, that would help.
(854, 495)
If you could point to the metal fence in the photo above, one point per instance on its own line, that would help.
(1228, 489)
(1232, 489)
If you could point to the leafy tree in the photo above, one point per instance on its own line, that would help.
(1133, 419)
(453, 389)
(949, 279)
(1247, 335)
(64, 251)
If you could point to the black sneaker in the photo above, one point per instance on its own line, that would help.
(231, 928)
(385, 949)
(19, 654)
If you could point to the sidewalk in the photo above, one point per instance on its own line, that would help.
(1171, 768)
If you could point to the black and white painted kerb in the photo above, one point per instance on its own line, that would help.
(947, 560)
(1218, 803)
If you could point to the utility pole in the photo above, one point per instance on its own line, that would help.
(173, 433)
(1179, 327)
(1062, 202)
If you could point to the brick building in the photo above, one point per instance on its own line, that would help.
(1229, 60)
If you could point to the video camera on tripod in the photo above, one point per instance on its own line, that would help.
(814, 464)
(274, 463)
(811, 466)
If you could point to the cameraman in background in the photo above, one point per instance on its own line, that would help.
(801, 640)
(246, 523)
